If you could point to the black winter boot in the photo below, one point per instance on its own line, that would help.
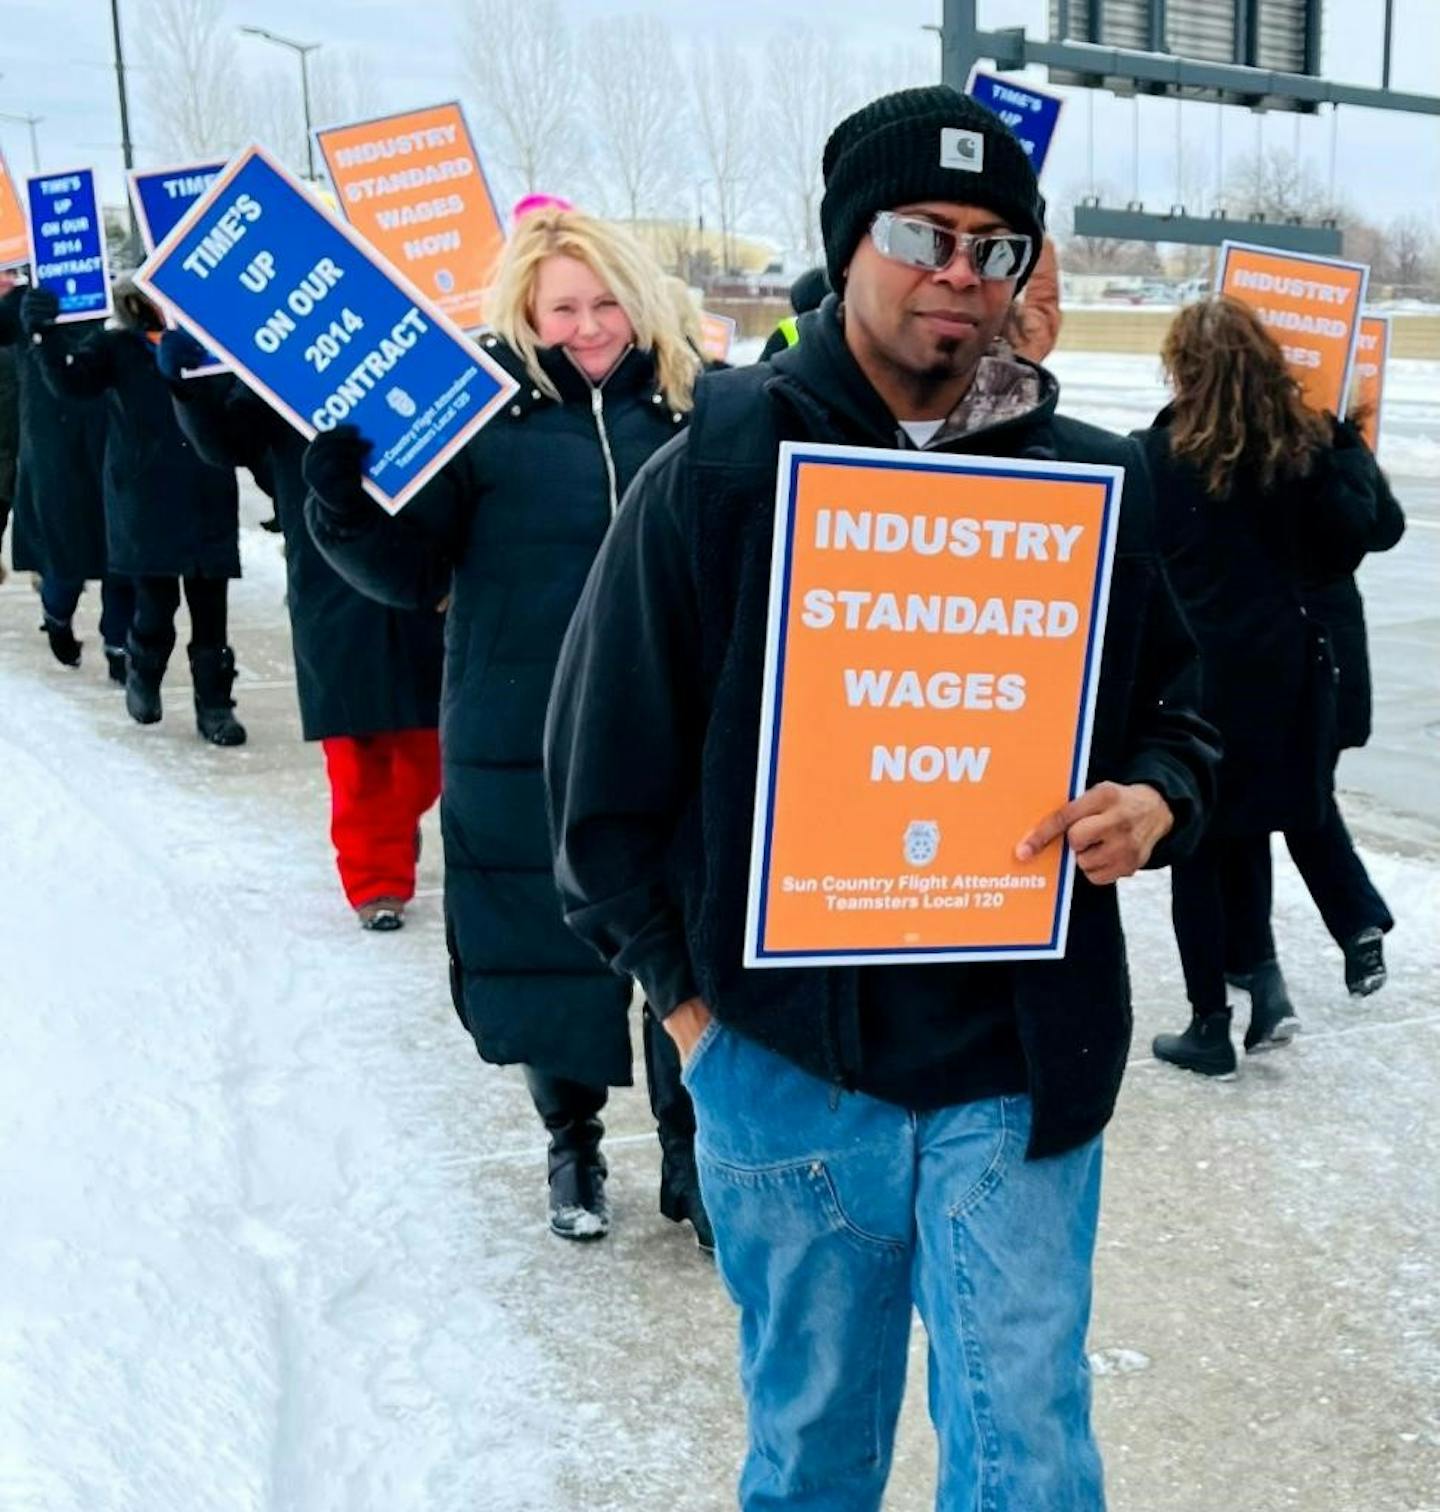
(63, 645)
(1272, 1015)
(213, 673)
(143, 673)
(1204, 1047)
(577, 1169)
(1365, 962)
(680, 1198)
(115, 663)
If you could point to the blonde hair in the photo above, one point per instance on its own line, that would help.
(621, 264)
(687, 312)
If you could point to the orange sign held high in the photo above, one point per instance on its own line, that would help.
(1367, 395)
(935, 631)
(14, 237)
(1310, 305)
(412, 185)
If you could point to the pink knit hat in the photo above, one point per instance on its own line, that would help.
(533, 202)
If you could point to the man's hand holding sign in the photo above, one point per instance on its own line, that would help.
(1112, 828)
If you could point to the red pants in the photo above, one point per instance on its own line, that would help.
(380, 785)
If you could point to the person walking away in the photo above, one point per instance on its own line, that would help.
(1034, 324)
(509, 530)
(171, 519)
(869, 1138)
(806, 293)
(1257, 495)
(1354, 912)
(367, 676)
(59, 500)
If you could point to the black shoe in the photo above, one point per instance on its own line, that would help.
(63, 645)
(213, 673)
(1272, 1014)
(1365, 962)
(144, 670)
(578, 1209)
(115, 663)
(382, 915)
(680, 1199)
(1204, 1047)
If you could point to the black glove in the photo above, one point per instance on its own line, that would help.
(333, 467)
(38, 309)
(178, 351)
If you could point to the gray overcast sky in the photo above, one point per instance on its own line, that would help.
(55, 62)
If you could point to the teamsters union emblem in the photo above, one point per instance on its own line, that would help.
(400, 402)
(922, 842)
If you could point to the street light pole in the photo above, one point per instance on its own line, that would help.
(32, 121)
(303, 50)
(126, 146)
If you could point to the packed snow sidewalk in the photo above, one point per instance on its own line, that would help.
(272, 1238)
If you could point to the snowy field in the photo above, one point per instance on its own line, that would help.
(271, 1237)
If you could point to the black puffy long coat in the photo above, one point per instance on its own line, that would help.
(167, 512)
(511, 528)
(1238, 565)
(59, 504)
(1338, 606)
(361, 667)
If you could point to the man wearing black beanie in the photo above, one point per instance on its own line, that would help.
(872, 1138)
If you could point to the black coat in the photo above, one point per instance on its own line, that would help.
(510, 529)
(1238, 565)
(59, 504)
(361, 667)
(1338, 606)
(167, 513)
(653, 792)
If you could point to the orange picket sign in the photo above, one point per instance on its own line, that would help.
(412, 185)
(717, 335)
(1310, 305)
(1368, 394)
(14, 238)
(936, 624)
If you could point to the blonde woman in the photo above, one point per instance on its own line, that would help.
(581, 318)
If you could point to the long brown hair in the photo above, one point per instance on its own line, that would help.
(1236, 406)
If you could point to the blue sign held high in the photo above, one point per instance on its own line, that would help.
(1031, 115)
(67, 242)
(161, 197)
(306, 313)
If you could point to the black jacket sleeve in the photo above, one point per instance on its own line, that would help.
(404, 560)
(1169, 746)
(79, 372)
(221, 422)
(623, 738)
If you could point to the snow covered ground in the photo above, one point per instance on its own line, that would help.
(271, 1237)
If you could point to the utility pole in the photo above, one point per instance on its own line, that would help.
(127, 147)
(303, 50)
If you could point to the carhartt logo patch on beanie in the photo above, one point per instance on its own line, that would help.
(923, 144)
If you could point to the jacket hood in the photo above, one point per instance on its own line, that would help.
(819, 372)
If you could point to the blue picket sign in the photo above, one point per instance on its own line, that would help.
(67, 242)
(1031, 115)
(305, 311)
(161, 196)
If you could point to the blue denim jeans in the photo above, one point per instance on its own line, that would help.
(834, 1212)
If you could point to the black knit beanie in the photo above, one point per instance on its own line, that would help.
(923, 144)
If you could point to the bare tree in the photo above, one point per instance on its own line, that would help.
(637, 104)
(526, 77)
(1408, 254)
(342, 88)
(1277, 184)
(723, 90)
(809, 80)
(194, 98)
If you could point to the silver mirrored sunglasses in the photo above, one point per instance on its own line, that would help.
(918, 243)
